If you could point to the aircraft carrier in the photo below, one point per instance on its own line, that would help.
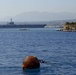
(11, 24)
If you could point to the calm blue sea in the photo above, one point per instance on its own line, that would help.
(57, 48)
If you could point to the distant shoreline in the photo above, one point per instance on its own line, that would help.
(69, 27)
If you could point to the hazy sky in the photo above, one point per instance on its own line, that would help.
(14, 7)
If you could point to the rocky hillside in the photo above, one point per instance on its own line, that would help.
(69, 26)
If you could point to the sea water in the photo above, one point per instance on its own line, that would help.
(57, 48)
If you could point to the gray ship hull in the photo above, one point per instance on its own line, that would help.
(24, 26)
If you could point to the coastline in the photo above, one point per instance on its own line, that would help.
(70, 27)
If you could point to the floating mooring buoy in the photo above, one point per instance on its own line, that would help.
(31, 62)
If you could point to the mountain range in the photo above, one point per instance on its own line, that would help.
(34, 16)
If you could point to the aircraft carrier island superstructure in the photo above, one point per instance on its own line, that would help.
(12, 25)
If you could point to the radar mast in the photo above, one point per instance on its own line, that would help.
(11, 22)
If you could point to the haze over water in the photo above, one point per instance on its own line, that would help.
(22, 10)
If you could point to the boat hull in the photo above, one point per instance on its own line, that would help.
(24, 26)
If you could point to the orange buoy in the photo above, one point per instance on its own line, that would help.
(30, 62)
